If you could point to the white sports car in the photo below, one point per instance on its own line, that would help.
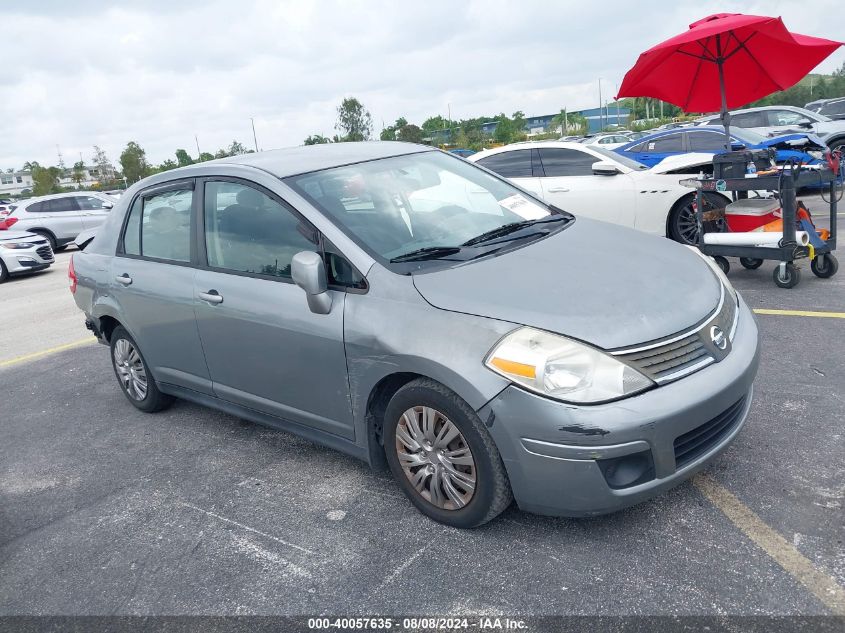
(593, 182)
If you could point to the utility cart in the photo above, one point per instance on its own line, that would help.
(787, 250)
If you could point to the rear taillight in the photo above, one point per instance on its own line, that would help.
(6, 223)
(71, 275)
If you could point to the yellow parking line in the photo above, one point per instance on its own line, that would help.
(828, 591)
(803, 313)
(47, 352)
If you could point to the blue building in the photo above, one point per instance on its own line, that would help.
(597, 120)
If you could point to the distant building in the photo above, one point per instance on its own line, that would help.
(20, 182)
(597, 120)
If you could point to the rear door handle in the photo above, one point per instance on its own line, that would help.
(124, 279)
(212, 296)
(558, 189)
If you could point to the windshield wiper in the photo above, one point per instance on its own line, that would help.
(507, 229)
(429, 252)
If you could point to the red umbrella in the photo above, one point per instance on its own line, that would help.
(725, 61)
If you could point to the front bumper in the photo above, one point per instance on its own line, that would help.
(21, 261)
(557, 454)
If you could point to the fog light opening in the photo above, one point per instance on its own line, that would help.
(628, 470)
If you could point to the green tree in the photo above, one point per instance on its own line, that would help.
(236, 148)
(103, 164)
(204, 156)
(78, 173)
(510, 129)
(30, 165)
(133, 161)
(221, 153)
(183, 159)
(45, 180)
(167, 165)
(316, 139)
(409, 133)
(390, 133)
(354, 122)
(434, 123)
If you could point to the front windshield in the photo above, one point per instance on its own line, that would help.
(396, 206)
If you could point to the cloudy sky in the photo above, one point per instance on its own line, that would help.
(81, 73)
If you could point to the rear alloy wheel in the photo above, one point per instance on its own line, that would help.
(135, 380)
(443, 457)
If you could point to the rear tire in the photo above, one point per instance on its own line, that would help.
(443, 457)
(4, 274)
(133, 374)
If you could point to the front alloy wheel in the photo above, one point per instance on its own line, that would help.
(436, 458)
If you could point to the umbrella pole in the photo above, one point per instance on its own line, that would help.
(724, 115)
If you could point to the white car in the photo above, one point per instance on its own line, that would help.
(22, 253)
(779, 120)
(593, 182)
(610, 140)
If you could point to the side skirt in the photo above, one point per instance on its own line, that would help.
(315, 435)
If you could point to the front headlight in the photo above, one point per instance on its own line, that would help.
(564, 369)
(16, 245)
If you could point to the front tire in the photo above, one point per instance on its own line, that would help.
(442, 457)
(682, 225)
(132, 374)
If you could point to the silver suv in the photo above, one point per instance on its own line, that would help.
(60, 217)
(779, 120)
(421, 313)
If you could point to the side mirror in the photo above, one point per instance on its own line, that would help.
(309, 273)
(603, 168)
(107, 205)
(807, 125)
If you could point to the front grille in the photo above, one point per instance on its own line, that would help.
(685, 352)
(695, 443)
(45, 252)
(671, 358)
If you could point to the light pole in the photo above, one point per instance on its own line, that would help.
(601, 123)
(199, 153)
(254, 137)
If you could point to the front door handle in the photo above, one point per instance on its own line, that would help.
(212, 296)
(558, 189)
(124, 279)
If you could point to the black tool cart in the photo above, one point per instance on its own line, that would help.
(729, 175)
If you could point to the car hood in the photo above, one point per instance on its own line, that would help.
(798, 141)
(8, 236)
(600, 283)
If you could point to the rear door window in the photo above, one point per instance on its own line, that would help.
(566, 162)
(159, 226)
(706, 141)
(750, 119)
(663, 144)
(513, 164)
(90, 203)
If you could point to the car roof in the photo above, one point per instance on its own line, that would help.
(529, 145)
(66, 194)
(301, 160)
(758, 109)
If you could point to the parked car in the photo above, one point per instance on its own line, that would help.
(593, 182)
(832, 108)
(607, 141)
(60, 217)
(652, 149)
(22, 253)
(406, 307)
(779, 120)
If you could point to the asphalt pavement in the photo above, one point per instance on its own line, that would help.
(107, 510)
